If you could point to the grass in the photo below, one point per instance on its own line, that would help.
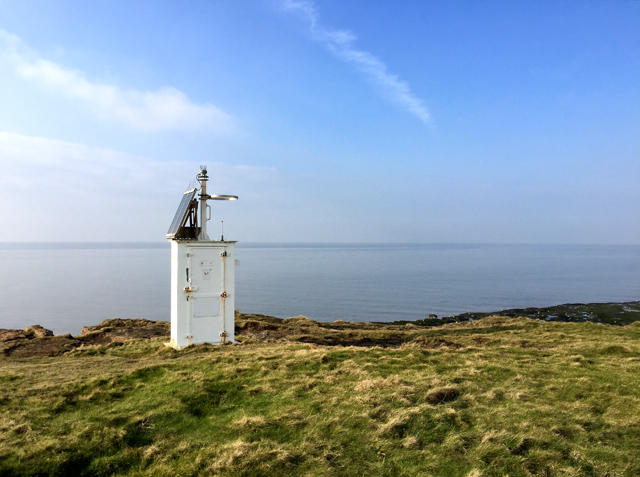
(496, 396)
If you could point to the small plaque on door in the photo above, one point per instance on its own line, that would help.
(202, 307)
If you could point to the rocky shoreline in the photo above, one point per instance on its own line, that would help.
(37, 341)
(615, 313)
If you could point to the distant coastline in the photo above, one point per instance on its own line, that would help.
(614, 313)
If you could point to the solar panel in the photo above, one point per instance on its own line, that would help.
(181, 214)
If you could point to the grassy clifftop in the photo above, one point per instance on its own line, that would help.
(491, 397)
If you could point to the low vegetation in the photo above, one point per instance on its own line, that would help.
(495, 396)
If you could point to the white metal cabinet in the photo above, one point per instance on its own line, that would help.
(202, 292)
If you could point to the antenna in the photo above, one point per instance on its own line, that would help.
(203, 178)
(222, 235)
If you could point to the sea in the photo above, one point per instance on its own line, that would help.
(64, 286)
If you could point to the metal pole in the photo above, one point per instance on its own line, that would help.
(202, 178)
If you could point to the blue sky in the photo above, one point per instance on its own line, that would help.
(350, 121)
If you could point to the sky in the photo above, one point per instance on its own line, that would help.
(354, 121)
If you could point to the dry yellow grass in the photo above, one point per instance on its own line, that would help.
(494, 397)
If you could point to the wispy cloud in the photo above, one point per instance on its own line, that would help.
(161, 110)
(342, 44)
(119, 196)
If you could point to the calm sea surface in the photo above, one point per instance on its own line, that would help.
(65, 286)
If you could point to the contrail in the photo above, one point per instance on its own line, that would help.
(341, 44)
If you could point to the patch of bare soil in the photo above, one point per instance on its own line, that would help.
(251, 327)
(38, 341)
(117, 329)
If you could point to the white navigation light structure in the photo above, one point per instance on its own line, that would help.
(202, 273)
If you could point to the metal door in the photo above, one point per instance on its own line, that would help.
(206, 284)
